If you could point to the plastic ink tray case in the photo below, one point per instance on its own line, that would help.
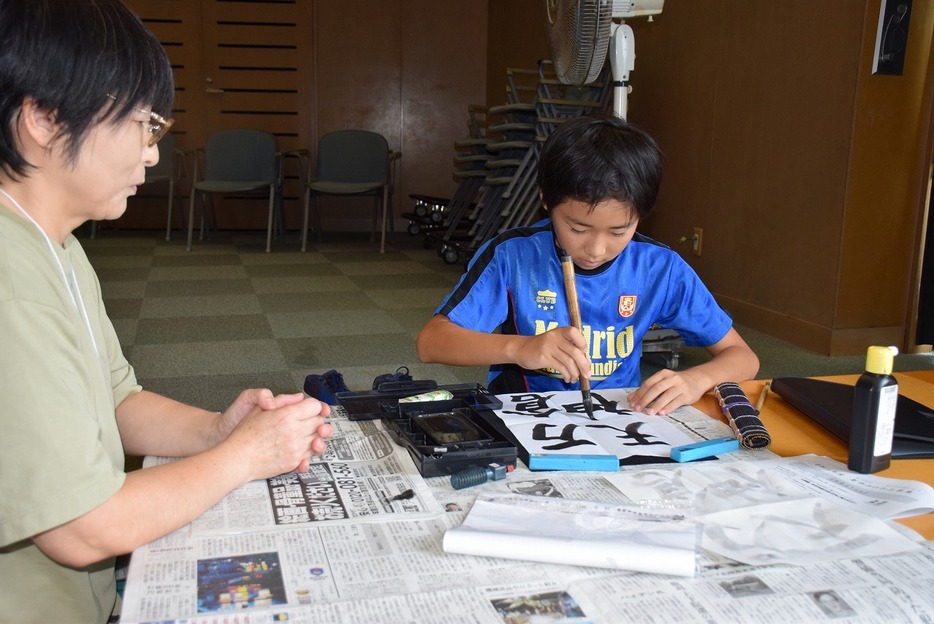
(446, 437)
(373, 404)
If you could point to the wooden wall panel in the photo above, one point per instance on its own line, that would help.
(444, 63)
(891, 129)
(516, 39)
(410, 79)
(358, 85)
(755, 138)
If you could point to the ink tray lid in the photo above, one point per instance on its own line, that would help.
(373, 404)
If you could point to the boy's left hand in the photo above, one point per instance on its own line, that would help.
(666, 391)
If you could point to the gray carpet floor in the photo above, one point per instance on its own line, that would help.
(200, 326)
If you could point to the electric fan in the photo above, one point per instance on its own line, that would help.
(582, 32)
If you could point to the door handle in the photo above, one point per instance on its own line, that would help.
(213, 90)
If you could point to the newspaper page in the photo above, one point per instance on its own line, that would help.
(715, 486)
(183, 576)
(877, 496)
(362, 477)
(752, 512)
(883, 590)
(396, 572)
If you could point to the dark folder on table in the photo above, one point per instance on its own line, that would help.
(830, 404)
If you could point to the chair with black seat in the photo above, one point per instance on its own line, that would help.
(238, 161)
(169, 170)
(351, 162)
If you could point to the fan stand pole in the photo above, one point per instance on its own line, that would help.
(622, 61)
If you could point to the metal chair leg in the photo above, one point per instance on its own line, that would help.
(272, 209)
(191, 218)
(305, 219)
(382, 241)
(168, 219)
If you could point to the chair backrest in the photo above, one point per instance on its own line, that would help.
(164, 169)
(238, 155)
(353, 156)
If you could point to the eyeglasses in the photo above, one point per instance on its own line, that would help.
(158, 125)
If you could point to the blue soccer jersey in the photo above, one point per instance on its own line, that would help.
(514, 284)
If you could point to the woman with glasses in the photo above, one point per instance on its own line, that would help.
(85, 90)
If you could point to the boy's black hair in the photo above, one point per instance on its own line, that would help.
(88, 61)
(595, 158)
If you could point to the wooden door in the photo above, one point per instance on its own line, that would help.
(245, 64)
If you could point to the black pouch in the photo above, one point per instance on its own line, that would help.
(401, 374)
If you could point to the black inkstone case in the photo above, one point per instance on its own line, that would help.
(442, 437)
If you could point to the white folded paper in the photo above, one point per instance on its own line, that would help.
(552, 530)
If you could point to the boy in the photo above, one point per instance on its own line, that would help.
(599, 176)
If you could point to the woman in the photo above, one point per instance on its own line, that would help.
(83, 90)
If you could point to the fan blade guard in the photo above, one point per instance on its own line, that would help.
(578, 34)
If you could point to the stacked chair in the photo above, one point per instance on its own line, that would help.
(497, 164)
(439, 218)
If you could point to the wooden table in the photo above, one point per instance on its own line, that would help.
(793, 433)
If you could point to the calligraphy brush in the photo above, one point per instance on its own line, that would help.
(570, 290)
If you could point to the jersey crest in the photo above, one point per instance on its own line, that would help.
(627, 305)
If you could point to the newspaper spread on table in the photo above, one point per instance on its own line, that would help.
(392, 568)
(363, 476)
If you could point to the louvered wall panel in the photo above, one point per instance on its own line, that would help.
(258, 58)
(177, 24)
(243, 64)
(253, 51)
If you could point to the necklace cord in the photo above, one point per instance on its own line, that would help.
(77, 301)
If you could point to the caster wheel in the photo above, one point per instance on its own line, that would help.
(450, 256)
(437, 216)
(414, 229)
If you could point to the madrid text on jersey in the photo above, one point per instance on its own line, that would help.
(607, 347)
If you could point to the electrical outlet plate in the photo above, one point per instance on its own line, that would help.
(697, 241)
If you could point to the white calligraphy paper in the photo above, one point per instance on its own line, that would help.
(555, 423)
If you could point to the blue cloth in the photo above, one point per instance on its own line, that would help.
(514, 284)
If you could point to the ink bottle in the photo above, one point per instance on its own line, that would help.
(875, 398)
